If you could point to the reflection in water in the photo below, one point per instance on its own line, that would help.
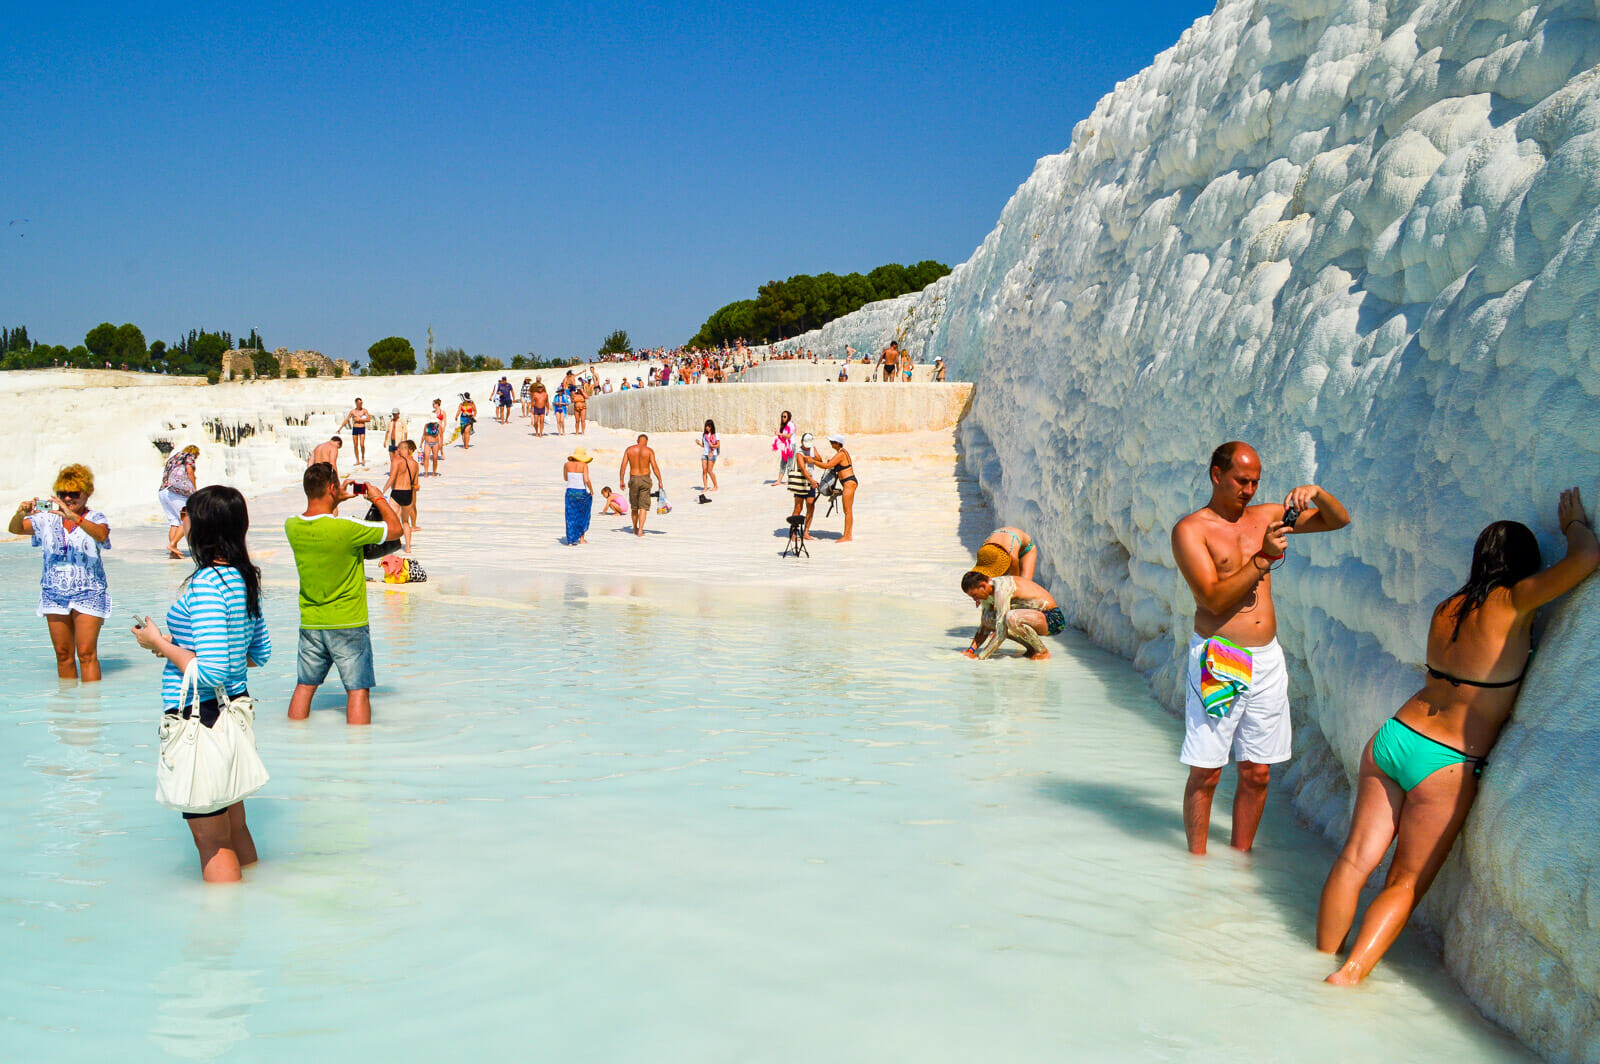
(746, 825)
(203, 1001)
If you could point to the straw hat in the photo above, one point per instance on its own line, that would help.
(580, 455)
(992, 561)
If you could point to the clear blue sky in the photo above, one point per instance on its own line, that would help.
(522, 179)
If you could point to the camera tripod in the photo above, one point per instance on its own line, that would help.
(797, 542)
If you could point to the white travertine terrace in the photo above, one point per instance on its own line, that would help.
(1365, 237)
(754, 408)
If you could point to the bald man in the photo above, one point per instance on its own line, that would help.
(1237, 705)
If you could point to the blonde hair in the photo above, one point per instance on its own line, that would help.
(75, 478)
(191, 449)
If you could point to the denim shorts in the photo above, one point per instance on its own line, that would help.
(348, 648)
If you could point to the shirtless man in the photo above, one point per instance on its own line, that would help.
(401, 486)
(638, 463)
(1226, 552)
(889, 361)
(1014, 607)
(1011, 548)
(357, 419)
(326, 452)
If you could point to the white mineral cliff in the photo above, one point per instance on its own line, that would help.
(1365, 237)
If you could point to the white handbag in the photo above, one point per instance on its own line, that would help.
(205, 769)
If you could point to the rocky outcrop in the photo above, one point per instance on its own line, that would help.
(241, 363)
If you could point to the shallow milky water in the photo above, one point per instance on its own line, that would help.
(639, 820)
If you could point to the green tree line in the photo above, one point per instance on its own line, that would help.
(804, 302)
(198, 353)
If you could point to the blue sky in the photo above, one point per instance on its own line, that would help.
(524, 178)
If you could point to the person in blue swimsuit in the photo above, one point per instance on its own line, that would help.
(1420, 772)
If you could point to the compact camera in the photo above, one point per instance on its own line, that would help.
(1291, 514)
(45, 506)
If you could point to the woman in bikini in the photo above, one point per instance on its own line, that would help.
(1419, 773)
(1022, 558)
(401, 486)
(580, 408)
(845, 469)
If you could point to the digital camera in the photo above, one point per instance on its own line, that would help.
(45, 506)
(1291, 514)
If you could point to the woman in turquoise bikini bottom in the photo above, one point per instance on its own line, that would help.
(1414, 788)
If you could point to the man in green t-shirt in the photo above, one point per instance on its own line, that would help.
(333, 590)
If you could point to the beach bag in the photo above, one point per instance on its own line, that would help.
(373, 551)
(662, 505)
(203, 769)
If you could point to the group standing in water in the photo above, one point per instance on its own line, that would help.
(1418, 774)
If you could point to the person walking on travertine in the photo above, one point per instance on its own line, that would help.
(638, 464)
(1238, 690)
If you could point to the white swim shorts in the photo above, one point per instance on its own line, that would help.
(1257, 728)
(172, 505)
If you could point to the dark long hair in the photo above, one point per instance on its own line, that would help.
(218, 521)
(784, 419)
(1506, 551)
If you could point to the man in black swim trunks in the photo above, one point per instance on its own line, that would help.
(358, 419)
(1014, 607)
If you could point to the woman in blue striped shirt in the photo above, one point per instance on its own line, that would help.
(217, 624)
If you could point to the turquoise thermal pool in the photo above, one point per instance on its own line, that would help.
(646, 820)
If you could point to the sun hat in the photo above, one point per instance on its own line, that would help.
(580, 455)
(395, 412)
(992, 561)
(806, 440)
(836, 438)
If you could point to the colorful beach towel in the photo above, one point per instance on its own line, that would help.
(1224, 675)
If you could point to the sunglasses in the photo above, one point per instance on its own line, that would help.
(71, 495)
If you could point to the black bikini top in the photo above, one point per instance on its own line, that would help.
(1456, 681)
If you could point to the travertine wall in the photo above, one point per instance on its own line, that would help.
(754, 408)
(1366, 237)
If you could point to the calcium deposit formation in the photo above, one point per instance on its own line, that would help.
(1365, 237)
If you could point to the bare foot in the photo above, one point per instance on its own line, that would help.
(845, 539)
(1345, 976)
(809, 536)
(1043, 655)
(173, 554)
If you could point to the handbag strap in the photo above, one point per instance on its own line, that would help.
(189, 691)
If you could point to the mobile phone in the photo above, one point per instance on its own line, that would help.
(138, 621)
